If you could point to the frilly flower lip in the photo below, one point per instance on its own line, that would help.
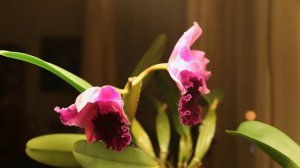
(99, 110)
(188, 69)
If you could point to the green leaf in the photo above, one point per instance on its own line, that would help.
(96, 155)
(185, 150)
(278, 145)
(141, 138)
(164, 137)
(152, 56)
(75, 81)
(131, 99)
(54, 149)
(206, 133)
(171, 96)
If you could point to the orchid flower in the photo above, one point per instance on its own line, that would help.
(188, 69)
(99, 110)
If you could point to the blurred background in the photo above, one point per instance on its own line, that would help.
(253, 46)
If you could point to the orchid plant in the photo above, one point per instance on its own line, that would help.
(114, 138)
(113, 135)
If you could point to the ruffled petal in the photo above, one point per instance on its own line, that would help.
(67, 115)
(111, 128)
(190, 111)
(198, 56)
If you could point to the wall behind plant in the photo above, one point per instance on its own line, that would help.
(25, 24)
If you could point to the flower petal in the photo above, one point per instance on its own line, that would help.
(107, 106)
(90, 133)
(71, 117)
(88, 96)
(100, 111)
(111, 128)
(188, 38)
(108, 93)
(67, 115)
(190, 111)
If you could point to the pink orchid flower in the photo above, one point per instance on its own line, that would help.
(188, 69)
(100, 111)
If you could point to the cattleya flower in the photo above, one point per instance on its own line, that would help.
(188, 69)
(100, 111)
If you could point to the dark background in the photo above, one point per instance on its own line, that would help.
(56, 32)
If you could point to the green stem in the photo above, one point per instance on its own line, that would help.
(142, 75)
(132, 81)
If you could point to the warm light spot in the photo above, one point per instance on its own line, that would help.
(250, 115)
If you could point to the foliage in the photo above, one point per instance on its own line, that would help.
(271, 140)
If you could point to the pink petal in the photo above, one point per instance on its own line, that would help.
(108, 106)
(194, 33)
(108, 93)
(88, 96)
(90, 133)
(67, 115)
(203, 89)
(71, 117)
(179, 65)
(188, 38)
(185, 53)
(86, 115)
(95, 94)
(198, 56)
(100, 112)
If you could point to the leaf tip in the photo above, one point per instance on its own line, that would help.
(230, 132)
(2, 52)
(162, 37)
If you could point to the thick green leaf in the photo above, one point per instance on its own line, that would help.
(75, 81)
(131, 99)
(141, 138)
(185, 150)
(54, 149)
(96, 155)
(206, 133)
(164, 137)
(152, 56)
(171, 96)
(271, 140)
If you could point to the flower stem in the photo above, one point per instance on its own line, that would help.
(142, 75)
(132, 81)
